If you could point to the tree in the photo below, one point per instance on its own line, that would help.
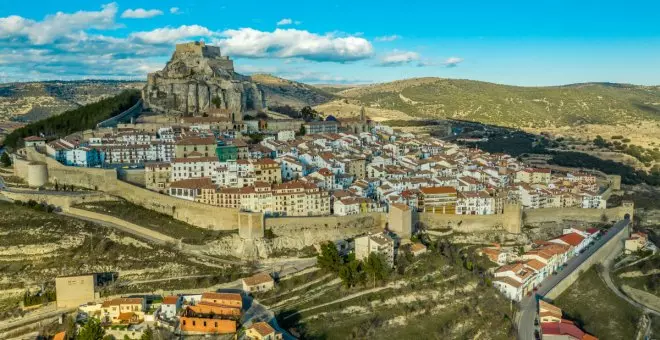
(352, 272)
(600, 142)
(5, 159)
(92, 330)
(148, 334)
(309, 114)
(376, 267)
(329, 258)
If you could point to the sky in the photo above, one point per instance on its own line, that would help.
(527, 43)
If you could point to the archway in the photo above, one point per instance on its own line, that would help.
(626, 217)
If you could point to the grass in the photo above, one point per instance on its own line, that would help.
(156, 221)
(438, 307)
(67, 246)
(591, 304)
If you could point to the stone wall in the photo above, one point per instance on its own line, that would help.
(558, 215)
(509, 221)
(197, 214)
(312, 230)
(62, 200)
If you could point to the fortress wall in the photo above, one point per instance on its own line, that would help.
(462, 223)
(197, 214)
(533, 216)
(62, 200)
(292, 226)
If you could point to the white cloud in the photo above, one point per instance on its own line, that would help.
(452, 61)
(169, 35)
(290, 43)
(386, 38)
(174, 10)
(285, 21)
(141, 13)
(57, 25)
(398, 58)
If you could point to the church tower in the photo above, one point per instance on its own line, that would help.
(362, 114)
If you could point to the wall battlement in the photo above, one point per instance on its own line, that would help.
(198, 48)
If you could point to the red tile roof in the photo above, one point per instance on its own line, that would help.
(573, 239)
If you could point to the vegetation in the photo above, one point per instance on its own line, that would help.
(39, 298)
(591, 304)
(5, 160)
(82, 118)
(156, 221)
(629, 175)
(512, 106)
(645, 279)
(352, 271)
(92, 330)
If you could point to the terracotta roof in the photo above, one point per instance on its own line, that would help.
(258, 279)
(262, 328)
(170, 300)
(34, 139)
(60, 336)
(535, 264)
(125, 316)
(573, 239)
(415, 247)
(509, 281)
(196, 141)
(222, 296)
(562, 328)
(438, 190)
(122, 301)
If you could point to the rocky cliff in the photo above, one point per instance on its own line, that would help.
(198, 80)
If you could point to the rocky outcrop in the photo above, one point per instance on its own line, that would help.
(199, 80)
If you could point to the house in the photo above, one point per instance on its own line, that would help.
(381, 244)
(635, 242)
(226, 299)
(438, 200)
(262, 331)
(564, 330)
(34, 141)
(194, 325)
(261, 282)
(417, 249)
(574, 240)
(495, 254)
(514, 280)
(123, 310)
(170, 307)
(73, 291)
(549, 313)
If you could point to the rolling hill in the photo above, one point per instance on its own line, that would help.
(280, 92)
(520, 107)
(37, 100)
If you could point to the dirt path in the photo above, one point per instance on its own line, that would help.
(393, 285)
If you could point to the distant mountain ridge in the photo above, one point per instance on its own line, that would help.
(514, 106)
(32, 101)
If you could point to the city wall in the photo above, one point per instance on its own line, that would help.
(510, 221)
(291, 226)
(558, 215)
(613, 245)
(105, 180)
(61, 200)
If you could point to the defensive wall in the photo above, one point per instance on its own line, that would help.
(510, 220)
(613, 245)
(558, 215)
(62, 200)
(105, 180)
(290, 226)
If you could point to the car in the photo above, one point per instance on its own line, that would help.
(537, 335)
(536, 322)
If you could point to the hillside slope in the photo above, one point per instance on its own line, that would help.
(38, 100)
(280, 92)
(521, 107)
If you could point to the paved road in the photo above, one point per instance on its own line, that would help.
(528, 306)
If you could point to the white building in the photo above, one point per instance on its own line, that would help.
(286, 135)
(186, 168)
(381, 244)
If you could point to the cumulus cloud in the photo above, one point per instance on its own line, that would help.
(174, 10)
(387, 38)
(169, 35)
(398, 58)
(452, 61)
(141, 13)
(57, 25)
(290, 43)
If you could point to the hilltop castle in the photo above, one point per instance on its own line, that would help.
(198, 80)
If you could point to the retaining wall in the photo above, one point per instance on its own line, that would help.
(60, 200)
(509, 221)
(533, 216)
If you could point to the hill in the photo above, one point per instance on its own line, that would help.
(281, 92)
(38, 100)
(79, 119)
(513, 106)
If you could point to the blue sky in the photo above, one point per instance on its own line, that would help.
(511, 42)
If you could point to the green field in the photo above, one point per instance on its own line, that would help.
(591, 304)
